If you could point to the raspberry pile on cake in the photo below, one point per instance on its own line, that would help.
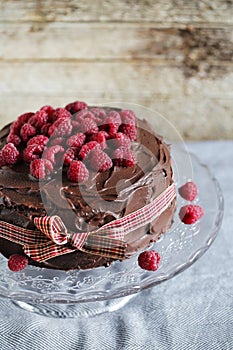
(101, 164)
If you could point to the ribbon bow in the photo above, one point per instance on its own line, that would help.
(97, 242)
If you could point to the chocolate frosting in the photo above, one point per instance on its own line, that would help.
(103, 198)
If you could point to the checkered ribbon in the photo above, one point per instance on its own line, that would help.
(52, 238)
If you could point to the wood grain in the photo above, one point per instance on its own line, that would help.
(82, 41)
(162, 11)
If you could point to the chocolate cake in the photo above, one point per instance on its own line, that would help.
(88, 166)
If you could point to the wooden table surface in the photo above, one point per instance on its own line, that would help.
(173, 56)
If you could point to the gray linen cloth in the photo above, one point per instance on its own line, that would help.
(192, 311)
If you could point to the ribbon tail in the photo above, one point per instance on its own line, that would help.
(104, 246)
(41, 253)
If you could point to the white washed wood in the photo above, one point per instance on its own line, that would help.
(170, 11)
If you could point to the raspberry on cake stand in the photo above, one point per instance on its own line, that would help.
(63, 294)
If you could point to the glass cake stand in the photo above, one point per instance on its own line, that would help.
(84, 293)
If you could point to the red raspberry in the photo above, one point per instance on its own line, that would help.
(128, 116)
(10, 154)
(129, 159)
(83, 114)
(17, 262)
(56, 141)
(115, 116)
(38, 119)
(38, 140)
(13, 138)
(110, 126)
(41, 168)
(61, 127)
(32, 152)
(49, 110)
(76, 106)
(100, 161)
(76, 140)
(123, 157)
(129, 130)
(149, 260)
(118, 157)
(189, 214)
(70, 155)
(88, 126)
(99, 114)
(27, 131)
(23, 118)
(77, 172)
(75, 124)
(85, 150)
(188, 191)
(60, 113)
(45, 128)
(120, 140)
(52, 152)
(100, 137)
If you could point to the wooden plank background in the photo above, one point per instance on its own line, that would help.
(172, 56)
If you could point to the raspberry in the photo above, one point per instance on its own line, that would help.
(61, 127)
(15, 127)
(87, 148)
(13, 138)
(118, 156)
(51, 152)
(70, 155)
(110, 126)
(120, 140)
(149, 260)
(38, 140)
(45, 128)
(99, 114)
(27, 131)
(76, 140)
(83, 114)
(75, 124)
(76, 106)
(123, 157)
(32, 152)
(23, 118)
(39, 119)
(77, 172)
(129, 130)
(10, 154)
(115, 116)
(189, 214)
(40, 168)
(88, 126)
(129, 159)
(100, 161)
(188, 191)
(127, 116)
(17, 262)
(100, 137)
(56, 141)
(60, 113)
(49, 110)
